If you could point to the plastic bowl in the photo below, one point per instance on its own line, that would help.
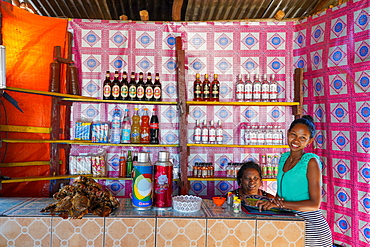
(186, 203)
(219, 201)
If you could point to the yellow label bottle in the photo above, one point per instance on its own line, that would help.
(135, 127)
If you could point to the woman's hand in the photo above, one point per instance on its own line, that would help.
(276, 202)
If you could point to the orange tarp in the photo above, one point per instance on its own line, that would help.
(29, 40)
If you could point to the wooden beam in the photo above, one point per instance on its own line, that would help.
(176, 10)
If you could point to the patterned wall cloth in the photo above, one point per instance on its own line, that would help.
(333, 49)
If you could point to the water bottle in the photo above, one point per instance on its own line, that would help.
(115, 136)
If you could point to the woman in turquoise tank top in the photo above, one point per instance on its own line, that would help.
(299, 183)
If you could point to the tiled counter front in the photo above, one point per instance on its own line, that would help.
(22, 224)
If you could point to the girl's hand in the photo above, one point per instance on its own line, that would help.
(265, 205)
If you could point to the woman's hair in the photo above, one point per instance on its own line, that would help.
(306, 120)
(249, 164)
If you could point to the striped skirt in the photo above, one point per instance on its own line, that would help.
(318, 232)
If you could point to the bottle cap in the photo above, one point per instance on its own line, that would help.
(163, 156)
(143, 157)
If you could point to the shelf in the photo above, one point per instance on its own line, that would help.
(223, 179)
(243, 103)
(78, 142)
(236, 146)
(93, 100)
(45, 93)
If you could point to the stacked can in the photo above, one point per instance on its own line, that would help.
(163, 176)
(142, 182)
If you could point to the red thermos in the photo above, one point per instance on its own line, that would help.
(162, 198)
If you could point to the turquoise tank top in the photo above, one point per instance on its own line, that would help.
(293, 184)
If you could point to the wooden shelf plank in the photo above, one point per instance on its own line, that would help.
(92, 100)
(45, 93)
(80, 142)
(24, 129)
(29, 163)
(243, 103)
(236, 146)
(223, 179)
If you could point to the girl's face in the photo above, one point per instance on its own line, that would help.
(250, 181)
(299, 137)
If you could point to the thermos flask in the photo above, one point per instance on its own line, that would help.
(163, 176)
(142, 185)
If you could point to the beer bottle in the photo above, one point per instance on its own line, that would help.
(107, 89)
(124, 86)
(198, 95)
(215, 89)
(149, 88)
(154, 128)
(206, 88)
(140, 91)
(132, 88)
(157, 88)
(116, 89)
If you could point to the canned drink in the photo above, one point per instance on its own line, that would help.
(163, 177)
(142, 183)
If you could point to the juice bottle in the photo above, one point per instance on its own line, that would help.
(122, 165)
(135, 127)
(144, 128)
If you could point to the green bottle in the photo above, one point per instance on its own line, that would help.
(129, 164)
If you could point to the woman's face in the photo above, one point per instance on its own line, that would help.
(299, 137)
(250, 181)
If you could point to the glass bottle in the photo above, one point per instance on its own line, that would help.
(206, 88)
(204, 133)
(197, 136)
(126, 128)
(124, 86)
(107, 89)
(122, 165)
(273, 89)
(149, 88)
(256, 89)
(144, 128)
(265, 89)
(135, 127)
(157, 88)
(140, 90)
(239, 88)
(219, 133)
(215, 89)
(212, 133)
(154, 128)
(129, 164)
(198, 94)
(248, 89)
(116, 89)
(132, 88)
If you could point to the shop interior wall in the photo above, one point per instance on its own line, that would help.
(334, 50)
(29, 40)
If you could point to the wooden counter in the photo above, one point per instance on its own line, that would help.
(22, 224)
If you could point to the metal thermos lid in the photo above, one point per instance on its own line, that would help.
(163, 156)
(143, 157)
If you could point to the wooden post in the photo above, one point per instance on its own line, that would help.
(181, 92)
(298, 92)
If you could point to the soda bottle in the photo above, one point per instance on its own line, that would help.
(107, 89)
(132, 88)
(215, 89)
(124, 86)
(149, 92)
(257, 89)
(197, 132)
(248, 89)
(115, 135)
(144, 128)
(135, 127)
(140, 90)
(116, 89)
(198, 94)
(239, 88)
(265, 89)
(126, 128)
(154, 128)
(157, 88)
(122, 165)
(206, 88)
(129, 164)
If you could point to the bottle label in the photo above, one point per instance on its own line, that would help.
(215, 91)
(140, 92)
(115, 91)
(126, 133)
(124, 91)
(273, 91)
(248, 90)
(106, 91)
(197, 135)
(219, 135)
(197, 91)
(149, 92)
(206, 92)
(265, 91)
(212, 135)
(240, 91)
(132, 91)
(154, 125)
(157, 92)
